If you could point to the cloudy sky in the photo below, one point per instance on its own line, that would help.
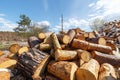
(77, 13)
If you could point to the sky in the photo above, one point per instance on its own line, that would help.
(76, 13)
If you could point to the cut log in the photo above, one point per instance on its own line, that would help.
(45, 46)
(80, 44)
(22, 50)
(112, 45)
(88, 71)
(99, 40)
(80, 36)
(8, 64)
(91, 35)
(86, 35)
(63, 38)
(96, 33)
(71, 33)
(4, 75)
(41, 36)
(55, 41)
(48, 40)
(81, 62)
(14, 48)
(65, 55)
(33, 63)
(63, 69)
(85, 56)
(106, 58)
(107, 72)
(33, 42)
(2, 59)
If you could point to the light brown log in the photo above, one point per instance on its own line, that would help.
(80, 44)
(41, 36)
(33, 42)
(4, 75)
(80, 36)
(8, 64)
(33, 63)
(22, 50)
(55, 41)
(88, 71)
(71, 33)
(63, 69)
(106, 58)
(107, 72)
(85, 56)
(81, 62)
(3, 59)
(91, 35)
(63, 38)
(45, 46)
(65, 55)
(99, 40)
(48, 40)
(86, 35)
(78, 30)
(14, 48)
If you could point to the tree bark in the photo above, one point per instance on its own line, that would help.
(88, 71)
(106, 58)
(80, 44)
(33, 42)
(63, 69)
(33, 63)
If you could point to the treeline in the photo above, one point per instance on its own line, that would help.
(11, 36)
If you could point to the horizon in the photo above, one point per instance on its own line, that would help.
(76, 13)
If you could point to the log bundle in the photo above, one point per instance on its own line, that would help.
(72, 55)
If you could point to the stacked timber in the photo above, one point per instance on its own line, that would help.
(71, 55)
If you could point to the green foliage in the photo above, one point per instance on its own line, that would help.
(97, 24)
(23, 24)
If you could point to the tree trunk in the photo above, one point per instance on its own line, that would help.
(88, 71)
(80, 44)
(63, 69)
(91, 35)
(106, 58)
(65, 55)
(33, 63)
(80, 36)
(107, 72)
(85, 56)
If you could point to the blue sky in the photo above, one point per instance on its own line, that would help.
(77, 13)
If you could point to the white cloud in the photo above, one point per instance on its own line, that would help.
(73, 23)
(6, 25)
(44, 23)
(105, 9)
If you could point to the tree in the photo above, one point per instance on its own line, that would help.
(23, 24)
(97, 24)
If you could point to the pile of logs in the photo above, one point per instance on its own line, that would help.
(74, 55)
